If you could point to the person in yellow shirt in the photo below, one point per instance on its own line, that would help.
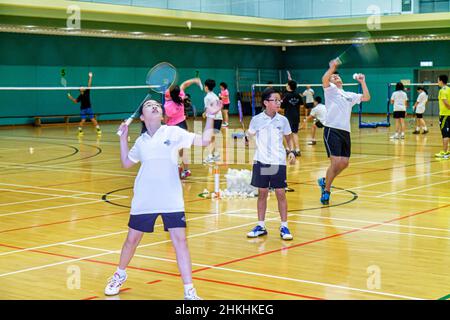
(444, 115)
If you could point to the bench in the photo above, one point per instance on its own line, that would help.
(66, 118)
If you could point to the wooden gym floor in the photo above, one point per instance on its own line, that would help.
(64, 208)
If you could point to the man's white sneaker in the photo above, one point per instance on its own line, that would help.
(192, 295)
(114, 284)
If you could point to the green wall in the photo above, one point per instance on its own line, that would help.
(36, 60)
(382, 64)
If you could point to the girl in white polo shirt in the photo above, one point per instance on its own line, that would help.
(400, 101)
(157, 188)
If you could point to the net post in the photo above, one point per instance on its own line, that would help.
(388, 117)
(360, 106)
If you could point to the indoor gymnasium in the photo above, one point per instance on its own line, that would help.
(224, 150)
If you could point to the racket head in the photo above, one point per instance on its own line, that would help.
(163, 76)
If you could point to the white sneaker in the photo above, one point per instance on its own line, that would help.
(225, 124)
(192, 295)
(216, 157)
(114, 284)
(395, 136)
(402, 136)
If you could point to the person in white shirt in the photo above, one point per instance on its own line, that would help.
(400, 101)
(211, 99)
(309, 99)
(157, 188)
(269, 167)
(339, 104)
(319, 115)
(419, 109)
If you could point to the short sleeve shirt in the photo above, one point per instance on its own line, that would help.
(157, 188)
(85, 99)
(269, 138)
(399, 98)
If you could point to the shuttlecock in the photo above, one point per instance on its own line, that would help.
(189, 25)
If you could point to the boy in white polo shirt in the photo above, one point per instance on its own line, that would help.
(269, 168)
(157, 188)
(336, 135)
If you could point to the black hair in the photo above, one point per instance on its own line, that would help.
(423, 89)
(399, 86)
(443, 78)
(267, 93)
(224, 85)
(210, 84)
(175, 94)
(292, 85)
(318, 99)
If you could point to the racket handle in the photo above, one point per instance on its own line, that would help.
(127, 123)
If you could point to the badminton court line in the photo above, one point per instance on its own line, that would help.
(410, 189)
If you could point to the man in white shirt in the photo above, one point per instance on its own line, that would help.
(269, 167)
(319, 115)
(211, 99)
(339, 104)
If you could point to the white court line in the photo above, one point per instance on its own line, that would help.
(258, 274)
(287, 279)
(366, 222)
(74, 196)
(52, 168)
(51, 265)
(50, 208)
(361, 229)
(349, 220)
(406, 190)
(390, 181)
(54, 189)
(395, 198)
(98, 255)
(98, 236)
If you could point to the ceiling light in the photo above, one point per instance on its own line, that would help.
(167, 34)
(221, 37)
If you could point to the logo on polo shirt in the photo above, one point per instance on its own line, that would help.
(167, 142)
(183, 218)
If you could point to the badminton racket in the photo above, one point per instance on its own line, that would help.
(361, 47)
(159, 78)
(199, 81)
(63, 79)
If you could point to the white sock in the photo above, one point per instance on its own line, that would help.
(425, 128)
(122, 273)
(97, 126)
(80, 129)
(284, 224)
(262, 224)
(417, 129)
(187, 287)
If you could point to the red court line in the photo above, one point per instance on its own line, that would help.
(90, 298)
(154, 271)
(244, 258)
(257, 288)
(153, 282)
(321, 239)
